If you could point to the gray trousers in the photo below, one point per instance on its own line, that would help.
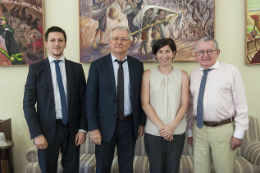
(164, 156)
(124, 139)
(48, 158)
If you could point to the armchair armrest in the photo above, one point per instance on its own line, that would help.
(32, 154)
(252, 152)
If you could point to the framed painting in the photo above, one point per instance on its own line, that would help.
(21, 32)
(253, 32)
(185, 21)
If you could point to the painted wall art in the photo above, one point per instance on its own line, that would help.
(253, 32)
(185, 21)
(21, 32)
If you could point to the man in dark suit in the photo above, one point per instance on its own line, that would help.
(59, 122)
(113, 106)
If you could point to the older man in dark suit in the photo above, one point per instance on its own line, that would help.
(58, 86)
(113, 106)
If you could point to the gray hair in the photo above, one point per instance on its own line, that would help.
(206, 39)
(122, 28)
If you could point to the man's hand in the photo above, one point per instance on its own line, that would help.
(41, 142)
(235, 142)
(140, 131)
(80, 138)
(95, 136)
(190, 141)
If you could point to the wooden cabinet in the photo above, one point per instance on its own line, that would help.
(6, 127)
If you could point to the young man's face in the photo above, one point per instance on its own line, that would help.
(55, 44)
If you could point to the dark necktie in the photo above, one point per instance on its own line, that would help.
(120, 90)
(200, 99)
(62, 93)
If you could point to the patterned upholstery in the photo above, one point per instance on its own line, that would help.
(247, 159)
(186, 164)
(244, 166)
(88, 160)
(248, 155)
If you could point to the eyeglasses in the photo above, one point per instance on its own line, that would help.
(202, 52)
(122, 39)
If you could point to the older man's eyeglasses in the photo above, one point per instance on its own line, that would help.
(202, 52)
(121, 39)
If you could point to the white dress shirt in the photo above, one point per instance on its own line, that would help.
(224, 97)
(56, 92)
(127, 102)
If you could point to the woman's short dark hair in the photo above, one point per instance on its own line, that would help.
(164, 42)
(55, 29)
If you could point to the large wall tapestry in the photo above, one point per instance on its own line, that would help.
(21, 32)
(185, 21)
(253, 30)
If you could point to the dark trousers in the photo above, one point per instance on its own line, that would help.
(164, 156)
(48, 157)
(124, 139)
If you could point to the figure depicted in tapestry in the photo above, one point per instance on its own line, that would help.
(145, 33)
(13, 53)
(131, 9)
(183, 21)
(252, 37)
(154, 18)
(100, 14)
(158, 30)
(21, 28)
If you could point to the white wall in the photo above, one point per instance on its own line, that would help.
(230, 31)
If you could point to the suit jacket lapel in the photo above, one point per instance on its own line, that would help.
(47, 74)
(69, 69)
(110, 71)
(131, 74)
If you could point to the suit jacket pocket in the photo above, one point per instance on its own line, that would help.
(100, 115)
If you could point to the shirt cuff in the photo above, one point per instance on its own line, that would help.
(37, 136)
(239, 133)
(81, 130)
(190, 133)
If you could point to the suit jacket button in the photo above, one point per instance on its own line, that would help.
(114, 115)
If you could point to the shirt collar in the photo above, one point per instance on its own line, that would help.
(51, 59)
(216, 65)
(114, 58)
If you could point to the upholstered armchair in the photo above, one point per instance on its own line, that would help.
(88, 160)
(247, 159)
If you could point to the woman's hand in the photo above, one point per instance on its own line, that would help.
(167, 132)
